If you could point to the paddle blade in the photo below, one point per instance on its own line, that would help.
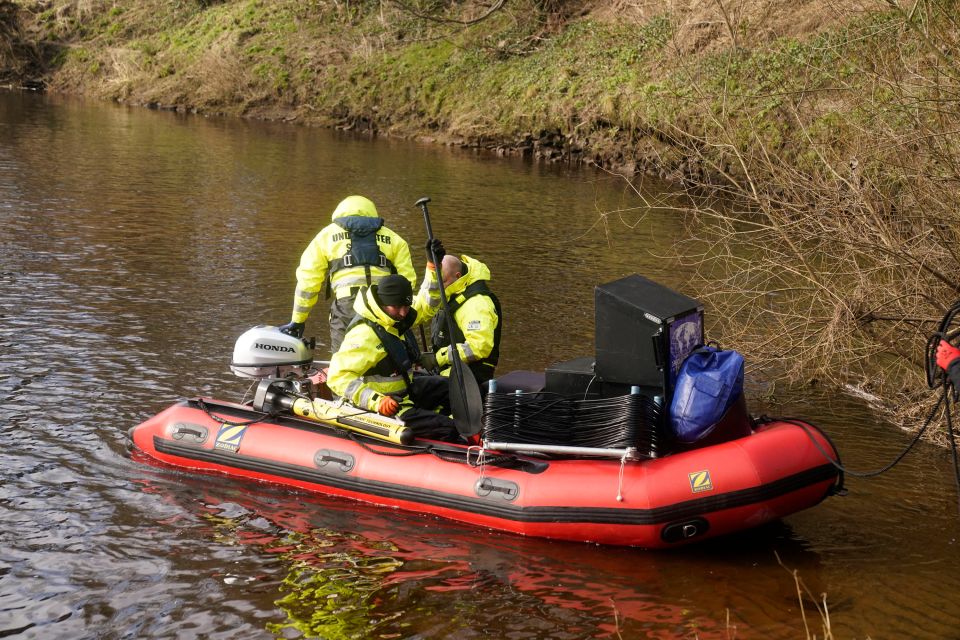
(465, 400)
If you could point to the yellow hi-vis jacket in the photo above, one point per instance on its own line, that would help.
(476, 318)
(332, 244)
(361, 370)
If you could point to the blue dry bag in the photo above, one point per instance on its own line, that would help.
(710, 380)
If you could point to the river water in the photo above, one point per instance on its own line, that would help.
(137, 245)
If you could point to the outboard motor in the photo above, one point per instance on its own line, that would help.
(289, 381)
(265, 352)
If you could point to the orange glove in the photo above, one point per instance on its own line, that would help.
(387, 406)
(946, 354)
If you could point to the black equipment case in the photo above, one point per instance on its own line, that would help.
(644, 331)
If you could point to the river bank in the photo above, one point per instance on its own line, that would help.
(823, 127)
(599, 82)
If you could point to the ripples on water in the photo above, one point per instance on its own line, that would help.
(138, 245)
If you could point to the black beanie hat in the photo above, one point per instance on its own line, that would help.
(394, 290)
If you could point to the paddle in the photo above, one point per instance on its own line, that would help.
(465, 398)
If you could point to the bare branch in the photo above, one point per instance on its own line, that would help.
(408, 8)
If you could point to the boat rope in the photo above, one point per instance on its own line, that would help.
(408, 450)
(445, 454)
(450, 455)
(481, 452)
(210, 414)
(250, 391)
(481, 461)
(623, 463)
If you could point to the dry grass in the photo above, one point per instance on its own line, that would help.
(18, 55)
(819, 604)
(709, 26)
(221, 75)
(834, 266)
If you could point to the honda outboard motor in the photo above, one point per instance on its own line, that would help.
(264, 352)
(291, 381)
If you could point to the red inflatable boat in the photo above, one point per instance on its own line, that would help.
(583, 453)
(778, 469)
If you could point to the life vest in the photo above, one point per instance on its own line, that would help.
(401, 354)
(438, 328)
(364, 249)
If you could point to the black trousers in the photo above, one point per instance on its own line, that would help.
(430, 415)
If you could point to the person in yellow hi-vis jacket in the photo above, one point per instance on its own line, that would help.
(477, 321)
(374, 367)
(355, 250)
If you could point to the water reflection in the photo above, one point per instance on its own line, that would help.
(352, 570)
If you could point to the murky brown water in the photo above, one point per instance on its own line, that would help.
(137, 245)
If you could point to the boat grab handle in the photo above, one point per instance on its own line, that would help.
(190, 432)
(326, 456)
(508, 490)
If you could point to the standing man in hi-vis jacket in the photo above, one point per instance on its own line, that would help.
(355, 250)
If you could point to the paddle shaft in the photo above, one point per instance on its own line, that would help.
(438, 268)
(453, 351)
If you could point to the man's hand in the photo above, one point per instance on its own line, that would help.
(428, 360)
(294, 329)
(948, 359)
(387, 406)
(435, 248)
(946, 355)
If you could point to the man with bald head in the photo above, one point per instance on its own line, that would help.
(477, 320)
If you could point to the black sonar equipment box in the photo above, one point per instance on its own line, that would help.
(577, 379)
(644, 331)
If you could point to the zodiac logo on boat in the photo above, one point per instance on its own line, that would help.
(229, 437)
(700, 481)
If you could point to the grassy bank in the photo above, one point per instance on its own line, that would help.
(826, 128)
(599, 81)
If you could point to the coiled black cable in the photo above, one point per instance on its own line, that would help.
(552, 419)
(935, 376)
